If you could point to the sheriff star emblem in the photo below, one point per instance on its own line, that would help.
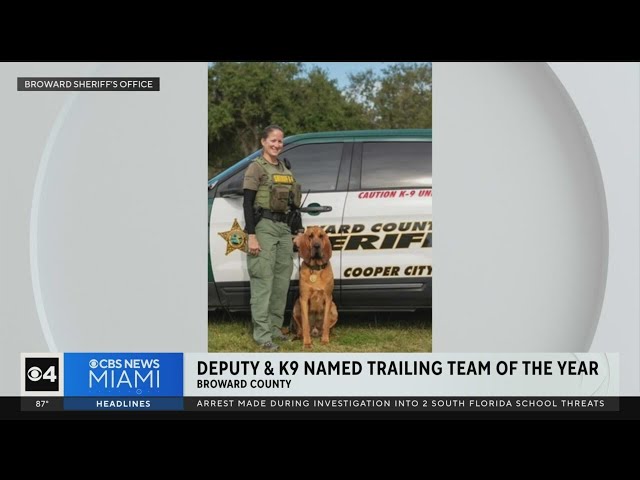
(236, 239)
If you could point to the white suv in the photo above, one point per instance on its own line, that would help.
(370, 190)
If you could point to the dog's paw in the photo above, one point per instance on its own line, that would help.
(325, 341)
(308, 345)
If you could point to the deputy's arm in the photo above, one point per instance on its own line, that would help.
(249, 197)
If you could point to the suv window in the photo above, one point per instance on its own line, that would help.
(396, 165)
(315, 166)
(234, 182)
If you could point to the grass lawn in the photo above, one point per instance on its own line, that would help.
(355, 332)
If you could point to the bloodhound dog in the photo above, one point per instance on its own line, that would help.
(314, 312)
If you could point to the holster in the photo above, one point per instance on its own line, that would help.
(294, 218)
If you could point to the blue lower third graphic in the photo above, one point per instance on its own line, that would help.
(123, 381)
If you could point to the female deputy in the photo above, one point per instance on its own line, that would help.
(270, 194)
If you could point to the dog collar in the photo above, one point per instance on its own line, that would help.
(316, 267)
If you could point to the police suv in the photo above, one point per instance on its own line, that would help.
(370, 190)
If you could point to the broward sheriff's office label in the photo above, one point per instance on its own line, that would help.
(88, 84)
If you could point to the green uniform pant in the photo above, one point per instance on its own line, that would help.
(270, 274)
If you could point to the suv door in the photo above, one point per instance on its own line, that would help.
(387, 244)
(318, 168)
(323, 171)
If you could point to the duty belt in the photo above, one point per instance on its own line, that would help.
(275, 216)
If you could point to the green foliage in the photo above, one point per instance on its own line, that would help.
(245, 97)
(399, 97)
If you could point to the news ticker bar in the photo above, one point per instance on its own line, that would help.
(323, 404)
(88, 84)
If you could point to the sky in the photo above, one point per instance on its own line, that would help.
(340, 70)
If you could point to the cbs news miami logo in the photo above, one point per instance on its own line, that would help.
(102, 374)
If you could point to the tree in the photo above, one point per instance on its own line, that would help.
(321, 106)
(399, 97)
(245, 97)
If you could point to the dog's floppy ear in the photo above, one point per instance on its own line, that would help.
(326, 246)
(304, 247)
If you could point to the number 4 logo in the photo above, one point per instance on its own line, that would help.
(50, 374)
(35, 374)
(41, 374)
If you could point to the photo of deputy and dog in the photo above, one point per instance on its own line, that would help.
(319, 241)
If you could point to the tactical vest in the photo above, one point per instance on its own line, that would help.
(281, 189)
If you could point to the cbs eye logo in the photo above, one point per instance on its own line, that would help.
(41, 374)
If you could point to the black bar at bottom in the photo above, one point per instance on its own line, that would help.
(41, 404)
(403, 404)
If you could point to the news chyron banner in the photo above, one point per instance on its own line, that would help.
(327, 382)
